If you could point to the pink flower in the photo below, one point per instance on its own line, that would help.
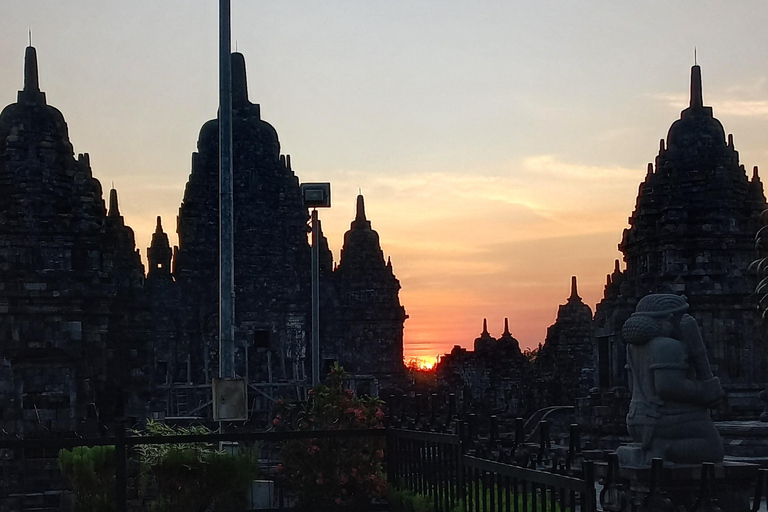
(379, 413)
(279, 468)
(343, 479)
(275, 421)
(338, 501)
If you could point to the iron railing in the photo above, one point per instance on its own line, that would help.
(436, 465)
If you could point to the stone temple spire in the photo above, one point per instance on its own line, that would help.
(506, 328)
(31, 92)
(239, 81)
(159, 253)
(31, 81)
(360, 220)
(696, 97)
(485, 343)
(114, 210)
(360, 210)
(361, 242)
(508, 345)
(574, 290)
(696, 108)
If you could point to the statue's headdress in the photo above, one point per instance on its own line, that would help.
(661, 304)
(642, 326)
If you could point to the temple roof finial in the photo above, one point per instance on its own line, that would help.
(159, 227)
(360, 212)
(616, 267)
(574, 290)
(485, 328)
(506, 328)
(239, 81)
(31, 81)
(696, 97)
(31, 92)
(114, 210)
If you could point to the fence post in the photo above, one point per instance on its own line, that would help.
(705, 499)
(417, 398)
(544, 442)
(589, 480)
(519, 433)
(460, 465)
(466, 397)
(758, 498)
(404, 411)
(121, 494)
(433, 412)
(390, 456)
(494, 433)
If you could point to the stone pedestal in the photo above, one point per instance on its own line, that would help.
(728, 486)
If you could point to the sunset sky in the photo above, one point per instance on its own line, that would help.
(499, 145)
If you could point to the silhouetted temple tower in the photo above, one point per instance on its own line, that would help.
(568, 350)
(485, 343)
(361, 317)
(159, 254)
(369, 318)
(272, 264)
(72, 349)
(692, 232)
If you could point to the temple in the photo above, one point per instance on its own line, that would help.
(692, 233)
(86, 337)
(566, 360)
(73, 318)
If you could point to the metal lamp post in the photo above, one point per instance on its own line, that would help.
(316, 195)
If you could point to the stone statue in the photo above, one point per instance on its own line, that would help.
(672, 386)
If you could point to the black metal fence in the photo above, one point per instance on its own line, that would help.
(436, 465)
(454, 472)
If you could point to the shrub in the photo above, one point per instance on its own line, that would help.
(195, 476)
(409, 501)
(90, 472)
(333, 472)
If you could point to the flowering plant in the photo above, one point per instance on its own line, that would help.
(328, 472)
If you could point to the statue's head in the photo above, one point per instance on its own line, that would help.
(656, 315)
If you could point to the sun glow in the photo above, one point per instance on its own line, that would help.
(423, 364)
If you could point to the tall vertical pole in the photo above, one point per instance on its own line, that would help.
(226, 229)
(315, 299)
